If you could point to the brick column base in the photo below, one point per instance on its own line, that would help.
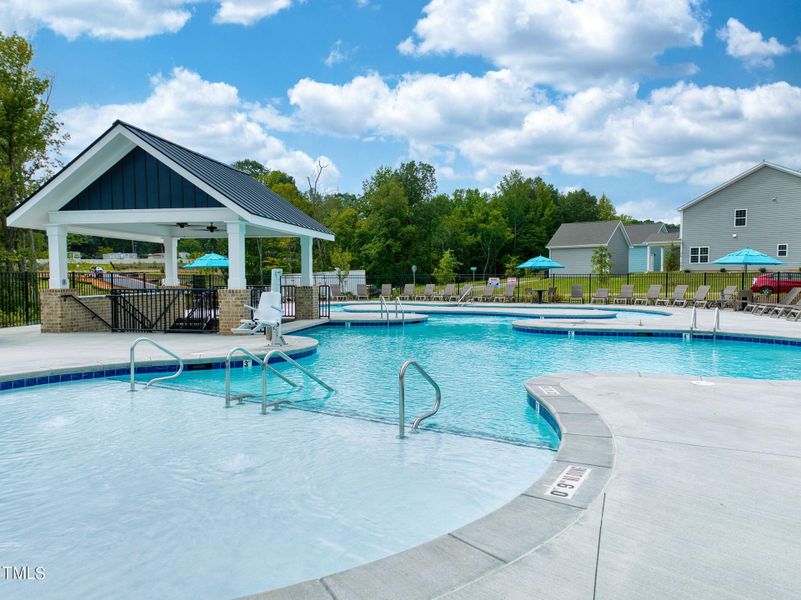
(54, 310)
(232, 309)
(307, 302)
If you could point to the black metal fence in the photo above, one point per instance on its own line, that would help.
(19, 298)
(325, 301)
(165, 310)
(287, 298)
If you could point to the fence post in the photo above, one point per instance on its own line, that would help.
(742, 280)
(667, 283)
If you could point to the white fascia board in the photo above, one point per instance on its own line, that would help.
(72, 179)
(625, 235)
(575, 246)
(116, 234)
(142, 216)
(291, 230)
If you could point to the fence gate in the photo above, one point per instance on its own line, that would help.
(194, 310)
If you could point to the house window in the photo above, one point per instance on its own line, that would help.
(781, 250)
(699, 254)
(740, 217)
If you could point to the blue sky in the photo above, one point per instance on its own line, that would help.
(651, 102)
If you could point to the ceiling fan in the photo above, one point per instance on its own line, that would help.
(211, 227)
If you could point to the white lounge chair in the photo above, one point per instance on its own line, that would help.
(267, 315)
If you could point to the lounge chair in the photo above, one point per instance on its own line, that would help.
(698, 299)
(551, 294)
(386, 290)
(794, 312)
(626, 294)
(446, 294)
(790, 301)
(488, 293)
(408, 292)
(508, 293)
(267, 315)
(728, 297)
(678, 296)
(336, 292)
(601, 294)
(428, 293)
(362, 291)
(651, 296)
(577, 293)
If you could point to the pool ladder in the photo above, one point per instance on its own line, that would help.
(384, 309)
(402, 398)
(462, 301)
(163, 349)
(265, 366)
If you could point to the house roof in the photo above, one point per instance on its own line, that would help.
(764, 164)
(639, 232)
(233, 188)
(585, 234)
(668, 236)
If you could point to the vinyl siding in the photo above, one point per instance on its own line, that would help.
(638, 259)
(711, 221)
(577, 261)
(619, 248)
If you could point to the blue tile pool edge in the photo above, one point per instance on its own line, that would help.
(727, 337)
(31, 379)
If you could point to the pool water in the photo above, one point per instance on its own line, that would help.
(166, 494)
(480, 363)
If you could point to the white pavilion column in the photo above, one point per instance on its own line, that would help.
(236, 255)
(649, 258)
(171, 261)
(57, 253)
(306, 260)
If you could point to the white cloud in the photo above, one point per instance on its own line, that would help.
(497, 123)
(123, 19)
(430, 109)
(565, 43)
(206, 116)
(749, 46)
(247, 12)
(649, 208)
(338, 53)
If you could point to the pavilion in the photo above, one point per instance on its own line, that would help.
(131, 184)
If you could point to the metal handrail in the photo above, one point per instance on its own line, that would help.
(264, 367)
(163, 349)
(693, 320)
(398, 304)
(383, 308)
(402, 398)
(461, 301)
(298, 366)
(716, 322)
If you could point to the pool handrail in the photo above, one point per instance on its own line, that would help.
(263, 362)
(295, 364)
(398, 304)
(402, 398)
(383, 308)
(467, 291)
(132, 354)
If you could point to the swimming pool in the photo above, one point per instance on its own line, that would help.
(110, 490)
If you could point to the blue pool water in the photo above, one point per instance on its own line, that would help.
(480, 362)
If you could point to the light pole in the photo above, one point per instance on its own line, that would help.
(473, 269)
(414, 277)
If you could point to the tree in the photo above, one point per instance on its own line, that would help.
(340, 260)
(577, 206)
(672, 258)
(446, 269)
(30, 138)
(606, 210)
(601, 261)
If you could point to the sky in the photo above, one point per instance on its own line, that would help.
(651, 102)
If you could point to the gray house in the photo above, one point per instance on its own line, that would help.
(573, 245)
(760, 209)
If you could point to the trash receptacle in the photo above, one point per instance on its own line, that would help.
(744, 297)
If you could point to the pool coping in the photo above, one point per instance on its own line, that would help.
(302, 347)
(499, 538)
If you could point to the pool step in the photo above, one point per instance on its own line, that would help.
(240, 398)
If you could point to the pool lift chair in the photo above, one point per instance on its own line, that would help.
(267, 315)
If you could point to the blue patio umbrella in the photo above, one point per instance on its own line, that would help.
(209, 261)
(540, 263)
(745, 257)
